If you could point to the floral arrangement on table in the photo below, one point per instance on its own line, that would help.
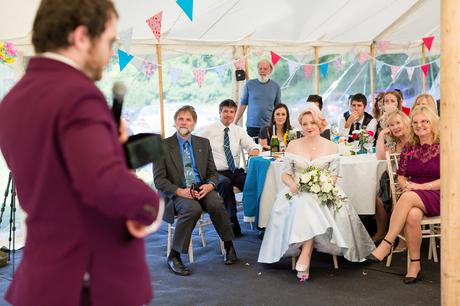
(7, 52)
(319, 182)
(289, 136)
(363, 139)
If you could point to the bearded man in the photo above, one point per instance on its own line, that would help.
(187, 178)
(260, 97)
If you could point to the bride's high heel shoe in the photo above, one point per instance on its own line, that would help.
(302, 272)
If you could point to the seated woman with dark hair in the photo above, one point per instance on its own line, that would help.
(279, 123)
(419, 176)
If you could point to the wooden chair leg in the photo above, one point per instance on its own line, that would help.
(222, 248)
(336, 262)
(434, 251)
(190, 251)
(293, 262)
(168, 248)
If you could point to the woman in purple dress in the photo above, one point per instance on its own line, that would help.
(419, 176)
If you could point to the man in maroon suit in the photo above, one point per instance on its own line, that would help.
(86, 212)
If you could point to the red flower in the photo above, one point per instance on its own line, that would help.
(370, 133)
(410, 154)
(354, 136)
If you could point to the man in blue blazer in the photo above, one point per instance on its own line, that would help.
(86, 212)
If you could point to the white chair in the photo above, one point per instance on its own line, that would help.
(431, 226)
(202, 222)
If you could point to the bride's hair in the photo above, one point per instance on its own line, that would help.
(317, 115)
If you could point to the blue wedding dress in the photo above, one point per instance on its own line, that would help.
(303, 217)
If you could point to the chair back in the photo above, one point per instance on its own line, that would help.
(392, 168)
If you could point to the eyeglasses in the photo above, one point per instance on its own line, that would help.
(421, 122)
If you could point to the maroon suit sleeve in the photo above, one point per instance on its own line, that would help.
(96, 166)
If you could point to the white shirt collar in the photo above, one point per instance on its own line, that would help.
(61, 58)
(222, 126)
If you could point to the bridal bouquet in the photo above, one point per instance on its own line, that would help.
(319, 182)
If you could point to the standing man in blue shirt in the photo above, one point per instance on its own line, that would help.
(261, 95)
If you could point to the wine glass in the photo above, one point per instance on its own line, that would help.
(368, 146)
(355, 147)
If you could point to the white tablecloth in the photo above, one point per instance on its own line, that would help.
(358, 177)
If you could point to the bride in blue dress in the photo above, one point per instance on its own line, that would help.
(302, 223)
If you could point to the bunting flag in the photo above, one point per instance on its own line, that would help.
(275, 57)
(378, 66)
(199, 76)
(425, 69)
(138, 63)
(154, 23)
(149, 69)
(362, 57)
(351, 55)
(126, 37)
(383, 45)
(338, 63)
(410, 72)
(293, 66)
(123, 59)
(187, 7)
(394, 72)
(428, 41)
(324, 67)
(308, 69)
(175, 74)
(239, 63)
(222, 72)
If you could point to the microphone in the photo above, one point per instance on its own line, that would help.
(118, 93)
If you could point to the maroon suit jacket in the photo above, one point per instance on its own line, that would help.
(61, 144)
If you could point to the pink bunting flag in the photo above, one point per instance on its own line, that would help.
(394, 72)
(239, 63)
(425, 69)
(308, 70)
(362, 57)
(338, 63)
(149, 69)
(383, 45)
(275, 57)
(199, 76)
(154, 23)
(428, 41)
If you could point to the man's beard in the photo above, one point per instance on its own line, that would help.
(92, 67)
(263, 79)
(183, 131)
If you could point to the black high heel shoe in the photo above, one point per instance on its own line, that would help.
(413, 280)
(372, 258)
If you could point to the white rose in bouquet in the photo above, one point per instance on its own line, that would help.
(304, 178)
(323, 178)
(326, 187)
(315, 188)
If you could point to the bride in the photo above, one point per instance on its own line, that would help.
(301, 223)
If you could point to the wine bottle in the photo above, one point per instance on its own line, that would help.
(274, 145)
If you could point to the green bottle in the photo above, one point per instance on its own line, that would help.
(274, 145)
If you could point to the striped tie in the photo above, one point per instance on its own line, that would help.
(228, 152)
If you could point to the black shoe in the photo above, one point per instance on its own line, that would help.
(177, 267)
(261, 234)
(412, 280)
(372, 258)
(230, 255)
(236, 227)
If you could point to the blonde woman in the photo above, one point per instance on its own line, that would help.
(392, 139)
(419, 174)
(425, 100)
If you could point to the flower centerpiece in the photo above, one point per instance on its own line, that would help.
(363, 140)
(319, 182)
(290, 135)
(7, 52)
